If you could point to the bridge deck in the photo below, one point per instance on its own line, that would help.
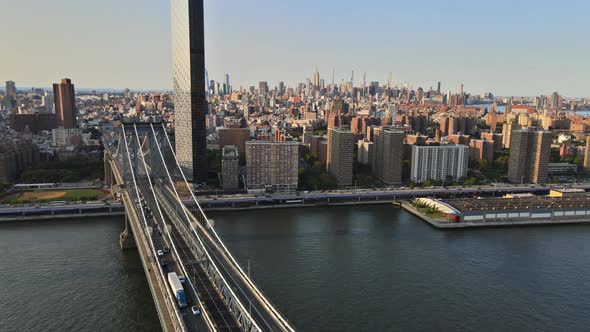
(150, 268)
(229, 300)
(208, 294)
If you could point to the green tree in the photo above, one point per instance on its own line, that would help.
(483, 166)
(214, 160)
(554, 156)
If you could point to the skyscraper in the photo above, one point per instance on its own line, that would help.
(340, 155)
(10, 97)
(227, 83)
(364, 81)
(190, 103)
(388, 154)
(48, 102)
(420, 94)
(529, 156)
(587, 155)
(263, 87)
(555, 100)
(316, 79)
(281, 88)
(64, 98)
(207, 85)
(373, 88)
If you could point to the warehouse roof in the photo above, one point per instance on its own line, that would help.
(526, 203)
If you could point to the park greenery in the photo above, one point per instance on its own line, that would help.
(214, 160)
(428, 210)
(314, 175)
(72, 170)
(69, 195)
(4, 187)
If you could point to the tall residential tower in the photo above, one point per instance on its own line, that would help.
(388, 157)
(340, 155)
(190, 103)
(529, 156)
(64, 98)
(10, 97)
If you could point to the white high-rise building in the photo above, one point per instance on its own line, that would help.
(444, 162)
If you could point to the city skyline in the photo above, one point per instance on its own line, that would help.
(446, 43)
(178, 138)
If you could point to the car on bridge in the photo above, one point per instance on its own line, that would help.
(195, 310)
(160, 253)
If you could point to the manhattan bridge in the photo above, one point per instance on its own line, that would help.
(174, 236)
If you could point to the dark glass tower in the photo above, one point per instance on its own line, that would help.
(190, 103)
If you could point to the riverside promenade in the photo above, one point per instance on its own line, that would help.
(32, 212)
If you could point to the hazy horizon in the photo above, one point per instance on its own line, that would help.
(518, 48)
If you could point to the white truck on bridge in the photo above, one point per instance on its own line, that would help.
(177, 289)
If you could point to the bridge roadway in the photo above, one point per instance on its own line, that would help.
(204, 292)
(165, 305)
(172, 318)
(223, 318)
(248, 294)
(228, 298)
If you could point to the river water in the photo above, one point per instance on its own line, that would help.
(371, 268)
(378, 269)
(70, 275)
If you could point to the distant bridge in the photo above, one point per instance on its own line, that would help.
(140, 164)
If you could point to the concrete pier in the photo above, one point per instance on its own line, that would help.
(519, 223)
(126, 240)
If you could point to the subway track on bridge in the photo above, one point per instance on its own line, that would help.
(245, 293)
(208, 293)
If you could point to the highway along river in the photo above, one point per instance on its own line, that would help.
(368, 268)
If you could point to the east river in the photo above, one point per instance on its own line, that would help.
(370, 268)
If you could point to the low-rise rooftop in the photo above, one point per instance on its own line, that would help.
(464, 205)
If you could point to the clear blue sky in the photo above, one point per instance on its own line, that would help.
(518, 47)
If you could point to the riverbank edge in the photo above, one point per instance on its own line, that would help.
(63, 216)
(287, 206)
